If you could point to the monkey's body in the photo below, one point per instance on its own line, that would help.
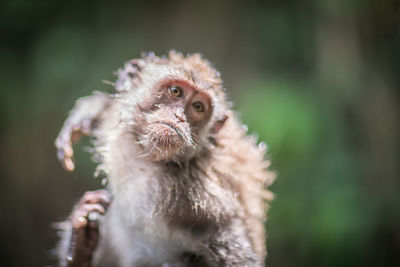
(131, 223)
(201, 203)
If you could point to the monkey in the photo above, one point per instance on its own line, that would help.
(186, 184)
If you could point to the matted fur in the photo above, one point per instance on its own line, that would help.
(168, 206)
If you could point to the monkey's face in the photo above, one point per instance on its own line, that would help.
(174, 121)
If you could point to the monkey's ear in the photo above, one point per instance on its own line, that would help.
(219, 123)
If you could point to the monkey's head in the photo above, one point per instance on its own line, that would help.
(175, 105)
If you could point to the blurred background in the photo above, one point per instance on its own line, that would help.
(318, 81)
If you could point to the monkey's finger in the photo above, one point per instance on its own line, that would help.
(60, 155)
(102, 197)
(66, 162)
(79, 218)
(86, 126)
(69, 165)
(68, 151)
(93, 208)
(64, 141)
(94, 216)
(65, 154)
(94, 219)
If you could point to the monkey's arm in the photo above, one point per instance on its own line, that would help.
(81, 121)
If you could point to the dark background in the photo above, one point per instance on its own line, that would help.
(318, 81)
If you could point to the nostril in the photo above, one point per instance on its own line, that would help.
(180, 117)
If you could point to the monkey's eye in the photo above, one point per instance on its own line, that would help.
(176, 91)
(198, 106)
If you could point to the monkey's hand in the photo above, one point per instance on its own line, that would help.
(80, 122)
(84, 235)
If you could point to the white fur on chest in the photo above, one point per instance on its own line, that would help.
(138, 236)
(135, 234)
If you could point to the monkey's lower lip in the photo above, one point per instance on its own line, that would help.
(173, 127)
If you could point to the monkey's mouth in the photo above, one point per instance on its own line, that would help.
(173, 127)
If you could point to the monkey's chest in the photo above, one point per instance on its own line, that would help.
(136, 235)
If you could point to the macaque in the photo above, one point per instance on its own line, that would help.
(186, 185)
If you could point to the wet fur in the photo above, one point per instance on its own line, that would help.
(208, 202)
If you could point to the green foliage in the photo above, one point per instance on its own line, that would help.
(317, 81)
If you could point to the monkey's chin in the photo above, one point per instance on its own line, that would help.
(166, 143)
